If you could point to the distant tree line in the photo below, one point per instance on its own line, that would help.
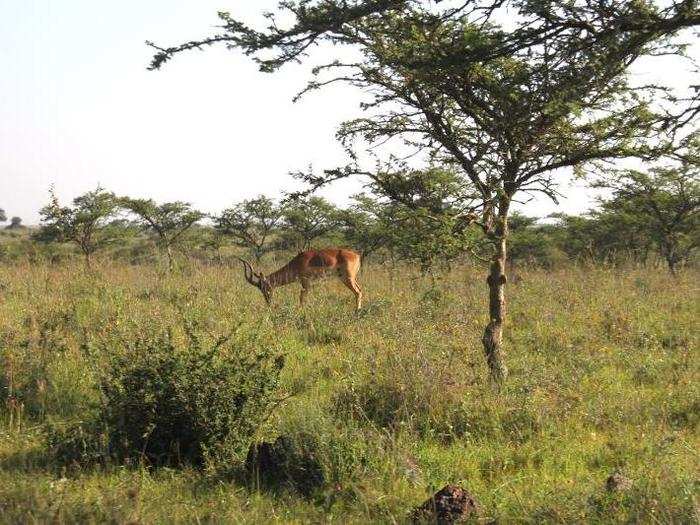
(644, 218)
(15, 222)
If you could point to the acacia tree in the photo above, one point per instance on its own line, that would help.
(251, 224)
(664, 203)
(508, 108)
(417, 214)
(306, 219)
(168, 221)
(15, 223)
(364, 225)
(600, 235)
(86, 223)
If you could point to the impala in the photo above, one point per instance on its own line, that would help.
(306, 267)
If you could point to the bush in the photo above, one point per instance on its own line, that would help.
(169, 400)
(77, 443)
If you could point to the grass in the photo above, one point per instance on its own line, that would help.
(392, 402)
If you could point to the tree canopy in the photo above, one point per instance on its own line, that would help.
(168, 221)
(251, 223)
(662, 203)
(85, 223)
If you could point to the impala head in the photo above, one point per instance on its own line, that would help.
(258, 280)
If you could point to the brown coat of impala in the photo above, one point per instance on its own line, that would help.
(306, 267)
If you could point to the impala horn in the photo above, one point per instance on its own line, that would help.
(249, 273)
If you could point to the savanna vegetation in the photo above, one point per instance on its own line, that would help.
(131, 395)
(136, 382)
(144, 381)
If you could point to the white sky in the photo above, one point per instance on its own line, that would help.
(78, 108)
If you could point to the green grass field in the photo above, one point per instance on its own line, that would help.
(604, 376)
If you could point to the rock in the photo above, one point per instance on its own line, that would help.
(452, 504)
(618, 483)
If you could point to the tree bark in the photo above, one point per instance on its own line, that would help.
(169, 253)
(669, 254)
(671, 261)
(493, 334)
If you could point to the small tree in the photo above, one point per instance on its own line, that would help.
(364, 225)
(168, 221)
(15, 223)
(417, 214)
(251, 223)
(307, 219)
(85, 224)
(664, 203)
(3, 216)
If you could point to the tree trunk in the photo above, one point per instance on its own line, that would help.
(493, 334)
(169, 253)
(671, 261)
(669, 254)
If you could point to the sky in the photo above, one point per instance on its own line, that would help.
(78, 108)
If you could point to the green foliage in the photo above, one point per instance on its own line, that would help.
(533, 244)
(251, 223)
(87, 223)
(305, 220)
(18, 245)
(661, 206)
(167, 401)
(168, 221)
(3, 215)
(419, 216)
(363, 225)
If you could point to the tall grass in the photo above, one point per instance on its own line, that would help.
(388, 404)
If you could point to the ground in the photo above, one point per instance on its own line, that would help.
(604, 378)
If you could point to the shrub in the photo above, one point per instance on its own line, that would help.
(169, 400)
(78, 442)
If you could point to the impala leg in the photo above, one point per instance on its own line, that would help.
(352, 284)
